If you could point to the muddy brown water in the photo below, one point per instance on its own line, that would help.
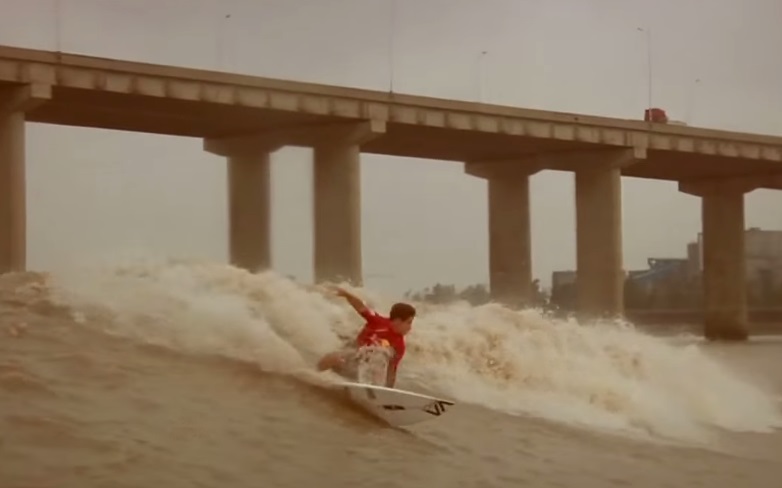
(86, 405)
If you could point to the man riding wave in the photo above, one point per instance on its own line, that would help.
(383, 333)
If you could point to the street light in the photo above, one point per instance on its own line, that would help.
(479, 63)
(57, 26)
(692, 100)
(222, 20)
(648, 32)
(391, 32)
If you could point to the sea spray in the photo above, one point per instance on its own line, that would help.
(600, 376)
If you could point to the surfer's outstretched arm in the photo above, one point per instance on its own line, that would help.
(354, 301)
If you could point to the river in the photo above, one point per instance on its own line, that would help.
(189, 374)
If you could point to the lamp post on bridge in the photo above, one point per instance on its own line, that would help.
(391, 38)
(648, 32)
(479, 75)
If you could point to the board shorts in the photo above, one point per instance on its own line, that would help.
(365, 364)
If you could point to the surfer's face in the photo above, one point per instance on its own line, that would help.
(403, 326)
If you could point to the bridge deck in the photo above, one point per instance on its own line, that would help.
(105, 93)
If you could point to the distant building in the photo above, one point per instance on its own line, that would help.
(661, 270)
(674, 282)
(763, 253)
(763, 259)
(563, 290)
(694, 258)
(560, 278)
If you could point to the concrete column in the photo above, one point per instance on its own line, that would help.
(724, 267)
(14, 102)
(337, 213)
(600, 277)
(13, 241)
(510, 250)
(249, 198)
(249, 211)
(724, 278)
(337, 201)
(600, 280)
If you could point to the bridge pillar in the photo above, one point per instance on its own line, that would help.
(14, 102)
(724, 258)
(599, 276)
(510, 248)
(724, 267)
(337, 201)
(249, 198)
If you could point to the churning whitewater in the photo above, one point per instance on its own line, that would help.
(606, 378)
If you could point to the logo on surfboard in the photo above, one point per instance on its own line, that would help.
(437, 407)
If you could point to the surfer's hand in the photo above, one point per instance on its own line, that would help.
(341, 292)
(355, 302)
(336, 290)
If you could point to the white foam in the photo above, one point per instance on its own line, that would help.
(606, 376)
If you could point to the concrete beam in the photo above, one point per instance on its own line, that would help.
(740, 184)
(246, 144)
(23, 98)
(310, 135)
(354, 133)
(505, 168)
(593, 159)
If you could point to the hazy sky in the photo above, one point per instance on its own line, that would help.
(95, 193)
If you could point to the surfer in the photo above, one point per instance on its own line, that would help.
(378, 331)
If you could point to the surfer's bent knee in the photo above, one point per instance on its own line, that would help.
(333, 360)
(329, 361)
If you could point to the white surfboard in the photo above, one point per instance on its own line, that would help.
(396, 407)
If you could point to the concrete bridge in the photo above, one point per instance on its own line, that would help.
(246, 118)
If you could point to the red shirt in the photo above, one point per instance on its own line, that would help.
(379, 328)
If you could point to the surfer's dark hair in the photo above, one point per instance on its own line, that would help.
(401, 311)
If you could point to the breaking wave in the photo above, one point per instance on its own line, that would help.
(602, 376)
